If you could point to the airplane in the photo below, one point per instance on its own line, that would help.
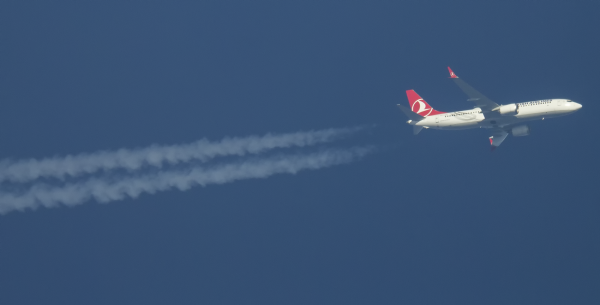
(501, 119)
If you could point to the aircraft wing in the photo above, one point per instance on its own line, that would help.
(475, 96)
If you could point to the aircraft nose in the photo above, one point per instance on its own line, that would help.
(576, 106)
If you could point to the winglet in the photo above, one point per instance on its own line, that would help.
(452, 75)
(497, 139)
(492, 143)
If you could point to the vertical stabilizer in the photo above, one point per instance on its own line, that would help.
(419, 106)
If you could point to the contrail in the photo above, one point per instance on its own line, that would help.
(157, 156)
(104, 190)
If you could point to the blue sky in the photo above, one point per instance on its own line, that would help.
(429, 219)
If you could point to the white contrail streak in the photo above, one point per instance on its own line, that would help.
(104, 190)
(157, 156)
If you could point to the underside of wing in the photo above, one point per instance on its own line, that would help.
(474, 96)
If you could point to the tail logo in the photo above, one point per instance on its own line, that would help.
(422, 107)
(452, 75)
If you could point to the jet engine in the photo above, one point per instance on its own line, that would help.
(509, 109)
(521, 130)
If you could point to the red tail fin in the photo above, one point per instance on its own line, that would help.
(419, 106)
(452, 75)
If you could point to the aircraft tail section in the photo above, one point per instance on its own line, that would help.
(411, 115)
(419, 106)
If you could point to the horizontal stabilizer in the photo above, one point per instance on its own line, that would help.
(417, 129)
(410, 114)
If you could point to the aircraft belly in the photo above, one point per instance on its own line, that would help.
(459, 122)
(458, 125)
(495, 122)
(529, 115)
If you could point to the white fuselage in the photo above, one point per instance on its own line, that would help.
(475, 118)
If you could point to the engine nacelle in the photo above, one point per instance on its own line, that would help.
(521, 130)
(509, 109)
